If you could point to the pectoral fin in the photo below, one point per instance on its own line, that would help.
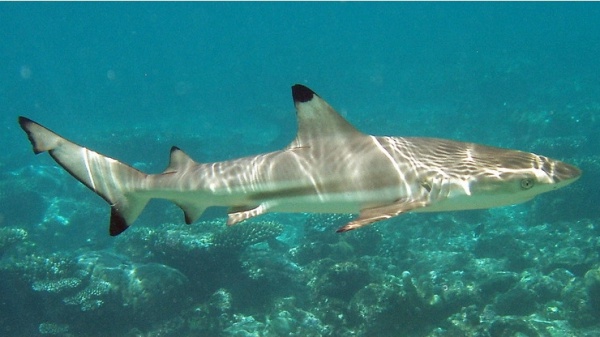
(370, 215)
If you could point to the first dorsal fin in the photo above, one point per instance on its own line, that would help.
(317, 119)
(179, 161)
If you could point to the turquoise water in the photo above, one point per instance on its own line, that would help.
(132, 79)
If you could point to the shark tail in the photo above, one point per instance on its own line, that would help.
(114, 181)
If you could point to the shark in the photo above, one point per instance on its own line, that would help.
(330, 167)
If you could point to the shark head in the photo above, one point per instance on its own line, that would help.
(515, 176)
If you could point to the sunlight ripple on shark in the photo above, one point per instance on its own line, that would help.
(330, 167)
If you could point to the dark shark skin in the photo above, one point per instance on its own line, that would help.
(329, 167)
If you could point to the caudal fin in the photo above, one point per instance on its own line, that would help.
(114, 181)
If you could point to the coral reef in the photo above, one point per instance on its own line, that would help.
(97, 285)
(10, 236)
(239, 237)
(209, 237)
(190, 280)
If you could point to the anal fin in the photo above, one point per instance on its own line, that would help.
(368, 216)
(179, 161)
(191, 212)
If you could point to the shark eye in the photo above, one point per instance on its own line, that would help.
(527, 183)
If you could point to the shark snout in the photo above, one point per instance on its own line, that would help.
(563, 172)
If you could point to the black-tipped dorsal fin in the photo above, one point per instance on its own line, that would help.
(317, 119)
(179, 161)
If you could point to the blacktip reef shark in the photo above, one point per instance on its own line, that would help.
(330, 167)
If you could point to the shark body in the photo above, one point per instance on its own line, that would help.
(329, 167)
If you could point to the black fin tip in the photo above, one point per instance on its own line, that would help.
(301, 93)
(117, 222)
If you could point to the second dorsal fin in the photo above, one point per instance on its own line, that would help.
(179, 160)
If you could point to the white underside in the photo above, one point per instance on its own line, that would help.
(348, 202)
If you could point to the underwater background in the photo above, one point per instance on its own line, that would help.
(132, 79)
